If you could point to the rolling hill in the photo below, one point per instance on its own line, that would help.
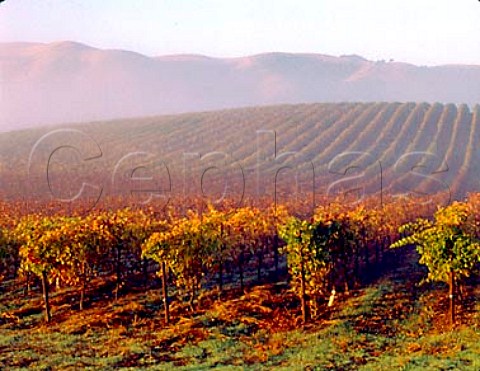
(60, 82)
(274, 151)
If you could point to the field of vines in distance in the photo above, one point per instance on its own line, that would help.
(378, 144)
(272, 271)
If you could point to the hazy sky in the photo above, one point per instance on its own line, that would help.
(418, 31)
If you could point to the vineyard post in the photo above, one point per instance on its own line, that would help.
(259, 260)
(240, 264)
(303, 296)
(366, 252)
(345, 264)
(84, 284)
(451, 282)
(275, 251)
(118, 272)
(191, 300)
(165, 293)
(48, 316)
(358, 250)
(452, 296)
(220, 263)
(345, 245)
(220, 272)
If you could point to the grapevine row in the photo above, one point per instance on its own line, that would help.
(326, 253)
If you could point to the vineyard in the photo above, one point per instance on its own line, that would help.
(337, 236)
(261, 269)
(394, 148)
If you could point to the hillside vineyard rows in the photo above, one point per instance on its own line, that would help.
(395, 148)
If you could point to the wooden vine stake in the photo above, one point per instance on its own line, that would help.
(45, 289)
(303, 289)
(451, 286)
(165, 293)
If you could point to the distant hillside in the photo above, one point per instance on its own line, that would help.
(66, 81)
(351, 147)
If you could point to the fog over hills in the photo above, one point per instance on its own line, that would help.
(67, 82)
